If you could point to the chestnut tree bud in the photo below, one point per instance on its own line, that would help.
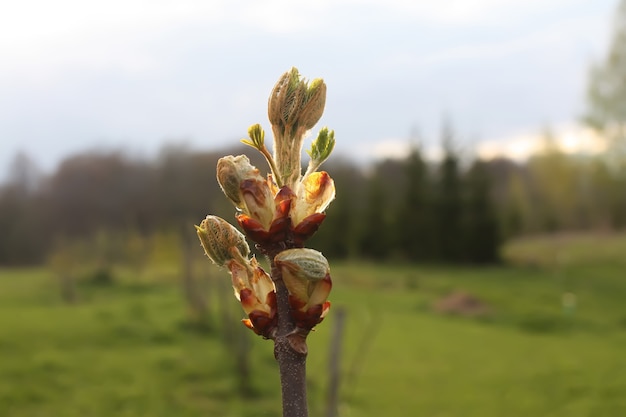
(218, 238)
(302, 269)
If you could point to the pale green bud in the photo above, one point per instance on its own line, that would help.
(219, 239)
(282, 99)
(321, 149)
(257, 137)
(312, 109)
(296, 104)
(294, 107)
(231, 172)
(246, 188)
(304, 263)
(302, 269)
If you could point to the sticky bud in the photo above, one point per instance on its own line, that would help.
(303, 263)
(218, 237)
(246, 188)
(314, 194)
(302, 269)
(285, 98)
(231, 171)
(312, 109)
(294, 107)
(306, 275)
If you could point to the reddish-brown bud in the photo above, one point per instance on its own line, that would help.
(314, 194)
(246, 188)
(306, 275)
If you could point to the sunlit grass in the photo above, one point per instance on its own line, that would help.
(127, 349)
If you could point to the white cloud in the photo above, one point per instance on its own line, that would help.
(517, 147)
(389, 148)
(569, 138)
(394, 148)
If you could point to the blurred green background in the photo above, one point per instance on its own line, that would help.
(418, 340)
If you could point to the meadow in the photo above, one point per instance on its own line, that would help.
(130, 347)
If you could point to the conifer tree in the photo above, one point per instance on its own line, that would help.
(481, 227)
(413, 225)
(449, 202)
(374, 241)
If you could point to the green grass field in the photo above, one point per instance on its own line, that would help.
(130, 349)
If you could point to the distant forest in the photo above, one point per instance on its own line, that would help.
(459, 209)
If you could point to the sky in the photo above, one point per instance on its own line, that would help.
(80, 75)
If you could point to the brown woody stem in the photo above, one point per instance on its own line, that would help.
(289, 351)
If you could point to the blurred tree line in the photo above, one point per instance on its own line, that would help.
(459, 209)
(103, 194)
